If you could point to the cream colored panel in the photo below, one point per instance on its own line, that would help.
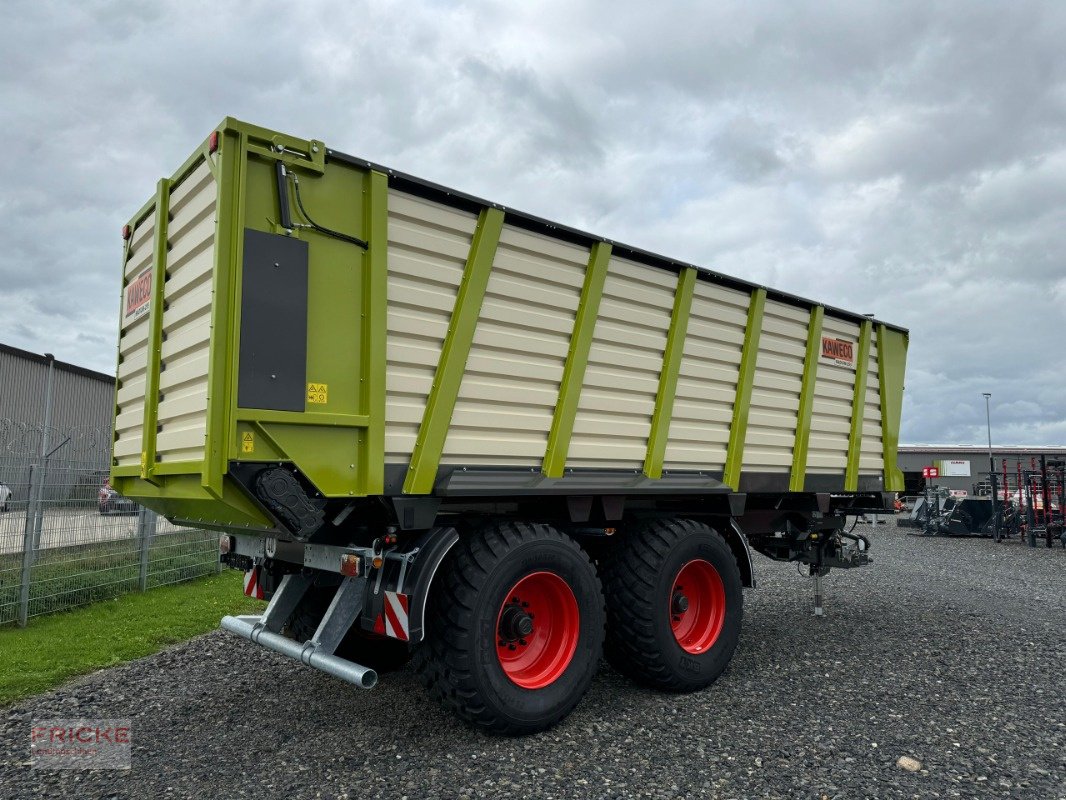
(622, 378)
(871, 452)
(186, 318)
(503, 414)
(771, 433)
(707, 380)
(834, 392)
(428, 247)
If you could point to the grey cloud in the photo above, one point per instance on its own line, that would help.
(903, 158)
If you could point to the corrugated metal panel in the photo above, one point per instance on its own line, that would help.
(428, 247)
(834, 392)
(507, 398)
(80, 426)
(771, 433)
(707, 382)
(618, 399)
(186, 325)
(133, 352)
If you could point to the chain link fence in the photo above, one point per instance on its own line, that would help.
(67, 540)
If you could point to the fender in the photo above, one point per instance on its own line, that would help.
(738, 543)
(407, 574)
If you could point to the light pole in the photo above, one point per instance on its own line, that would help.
(991, 466)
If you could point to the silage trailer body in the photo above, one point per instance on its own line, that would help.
(394, 398)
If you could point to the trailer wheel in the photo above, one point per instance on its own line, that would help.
(674, 605)
(380, 653)
(514, 628)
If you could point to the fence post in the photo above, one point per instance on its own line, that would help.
(28, 544)
(146, 521)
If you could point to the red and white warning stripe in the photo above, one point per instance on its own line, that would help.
(252, 586)
(396, 616)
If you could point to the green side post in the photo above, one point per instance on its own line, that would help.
(577, 359)
(375, 331)
(118, 348)
(155, 333)
(806, 403)
(738, 429)
(664, 398)
(891, 364)
(221, 358)
(858, 407)
(449, 376)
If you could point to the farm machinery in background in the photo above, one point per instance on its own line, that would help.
(1027, 503)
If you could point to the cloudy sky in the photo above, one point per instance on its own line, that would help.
(906, 158)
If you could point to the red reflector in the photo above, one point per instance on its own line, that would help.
(212, 142)
(126, 233)
(350, 565)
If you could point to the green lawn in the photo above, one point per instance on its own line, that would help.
(55, 648)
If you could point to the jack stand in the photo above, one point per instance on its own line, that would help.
(818, 612)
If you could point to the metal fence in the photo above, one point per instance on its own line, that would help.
(63, 543)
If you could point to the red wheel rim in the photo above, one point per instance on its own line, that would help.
(537, 630)
(697, 606)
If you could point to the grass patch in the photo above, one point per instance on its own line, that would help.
(64, 577)
(55, 648)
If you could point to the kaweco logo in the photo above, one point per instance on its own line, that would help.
(838, 350)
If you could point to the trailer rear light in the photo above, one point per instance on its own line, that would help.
(126, 233)
(350, 565)
(212, 142)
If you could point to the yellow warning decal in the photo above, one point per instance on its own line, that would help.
(317, 393)
(247, 442)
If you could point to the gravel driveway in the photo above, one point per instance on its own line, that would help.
(950, 652)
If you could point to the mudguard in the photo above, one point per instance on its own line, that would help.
(397, 594)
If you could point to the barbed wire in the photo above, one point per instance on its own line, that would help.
(25, 438)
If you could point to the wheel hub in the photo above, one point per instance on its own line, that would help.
(537, 630)
(697, 606)
(516, 624)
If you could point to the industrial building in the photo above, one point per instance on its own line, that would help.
(73, 430)
(963, 468)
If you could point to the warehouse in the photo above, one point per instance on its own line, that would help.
(962, 468)
(78, 424)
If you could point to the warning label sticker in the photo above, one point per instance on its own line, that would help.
(247, 442)
(139, 296)
(839, 351)
(317, 393)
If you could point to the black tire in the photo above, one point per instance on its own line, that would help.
(380, 653)
(458, 661)
(639, 583)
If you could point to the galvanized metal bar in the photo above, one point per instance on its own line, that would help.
(375, 334)
(806, 402)
(344, 608)
(891, 364)
(449, 376)
(229, 241)
(28, 552)
(577, 358)
(738, 429)
(146, 527)
(858, 407)
(664, 398)
(155, 333)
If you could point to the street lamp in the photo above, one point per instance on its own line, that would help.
(991, 466)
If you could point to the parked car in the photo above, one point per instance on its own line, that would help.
(5, 496)
(111, 502)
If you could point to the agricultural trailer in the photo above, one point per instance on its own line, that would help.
(433, 428)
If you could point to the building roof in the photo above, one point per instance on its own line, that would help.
(62, 365)
(977, 449)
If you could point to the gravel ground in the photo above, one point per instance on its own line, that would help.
(950, 652)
